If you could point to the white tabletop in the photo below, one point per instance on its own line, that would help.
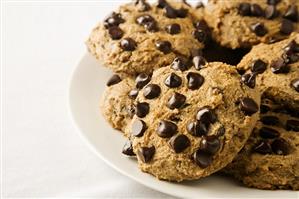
(42, 155)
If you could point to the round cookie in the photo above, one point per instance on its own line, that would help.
(274, 68)
(270, 158)
(244, 23)
(190, 123)
(140, 37)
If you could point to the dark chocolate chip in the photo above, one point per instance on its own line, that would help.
(280, 146)
(198, 128)
(199, 62)
(114, 79)
(202, 159)
(264, 109)
(220, 132)
(133, 93)
(295, 84)
(292, 47)
(128, 149)
(273, 2)
(177, 100)
(199, 5)
(180, 63)
(138, 128)
(268, 133)
(179, 143)
(248, 106)
(292, 125)
(151, 91)
(259, 29)
(271, 12)
(142, 5)
(173, 81)
(286, 27)
(244, 9)
(148, 22)
(206, 115)
(145, 154)
(181, 13)
(292, 13)
(263, 147)
(162, 3)
(115, 32)
(142, 109)
(210, 144)
(279, 66)
(270, 120)
(141, 80)
(173, 29)
(128, 44)
(166, 129)
(163, 46)
(256, 10)
(195, 80)
(170, 12)
(249, 79)
(258, 66)
(113, 19)
(200, 35)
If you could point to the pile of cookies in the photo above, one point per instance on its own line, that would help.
(205, 88)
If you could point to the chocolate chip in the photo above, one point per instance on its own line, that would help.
(141, 80)
(259, 29)
(268, 133)
(202, 158)
(173, 81)
(177, 100)
(113, 19)
(128, 149)
(163, 46)
(114, 79)
(200, 35)
(286, 27)
(151, 91)
(263, 147)
(210, 144)
(145, 154)
(170, 12)
(292, 13)
(180, 63)
(220, 132)
(270, 12)
(148, 22)
(295, 84)
(249, 79)
(198, 128)
(264, 109)
(166, 129)
(270, 120)
(280, 146)
(128, 44)
(292, 125)
(273, 2)
(199, 62)
(142, 5)
(195, 80)
(138, 128)
(206, 116)
(248, 106)
(258, 66)
(244, 9)
(162, 3)
(173, 29)
(115, 32)
(199, 5)
(142, 109)
(256, 10)
(181, 13)
(179, 143)
(279, 66)
(292, 47)
(133, 93)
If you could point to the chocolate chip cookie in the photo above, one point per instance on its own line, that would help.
(270, 158)
(243, 23)
(140, 37)
(190, 122)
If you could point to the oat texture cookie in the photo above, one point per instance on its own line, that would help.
(140, 37)
(189, 122)
(243, 23)
(270, 158)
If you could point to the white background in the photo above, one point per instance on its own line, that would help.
(42, 155)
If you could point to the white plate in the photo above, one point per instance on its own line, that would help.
(87, 83)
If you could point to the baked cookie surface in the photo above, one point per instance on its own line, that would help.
(140, 37)
(190, 123)
(244, 23)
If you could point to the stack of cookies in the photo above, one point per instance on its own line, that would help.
(203, 89)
